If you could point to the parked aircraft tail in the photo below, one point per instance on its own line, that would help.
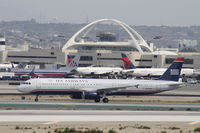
(20, 66)
(75, 61)
(127, 62)
(173, 72)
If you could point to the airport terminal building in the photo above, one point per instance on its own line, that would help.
(102, 47)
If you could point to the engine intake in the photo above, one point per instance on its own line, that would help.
(85, 95)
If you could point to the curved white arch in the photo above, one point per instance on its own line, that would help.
(137, 40)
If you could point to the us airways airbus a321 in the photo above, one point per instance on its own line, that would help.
(99, 89)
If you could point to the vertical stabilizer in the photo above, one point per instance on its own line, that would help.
(74, 62)
(19, 66)
(173, 72)
(127, 62)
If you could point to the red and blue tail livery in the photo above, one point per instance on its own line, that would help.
(127, 62)
(73, 61)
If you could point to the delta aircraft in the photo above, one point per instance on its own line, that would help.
(99, 89)
(62, 72)
(130, 69)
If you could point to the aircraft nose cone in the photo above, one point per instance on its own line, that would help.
(20, 88)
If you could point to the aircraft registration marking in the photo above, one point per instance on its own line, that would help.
(174, 72)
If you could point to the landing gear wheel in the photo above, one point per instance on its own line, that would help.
(105, 100)
(97, 100)
(36, 99)
(23, 97)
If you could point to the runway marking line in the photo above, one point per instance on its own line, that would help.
(50, 122)
(194, 122)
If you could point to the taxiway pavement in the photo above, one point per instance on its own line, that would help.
(96, 115)
(56, 105)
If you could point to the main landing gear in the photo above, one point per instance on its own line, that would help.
(101, 95)
(36, 98)
(105, 100)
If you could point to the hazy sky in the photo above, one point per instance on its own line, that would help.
(133, 12)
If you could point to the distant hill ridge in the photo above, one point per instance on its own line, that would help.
(43, 34)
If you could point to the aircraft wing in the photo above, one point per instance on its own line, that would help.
(110, 89)
(67, 68)
(101, 73)
(107, 90)
(128, 71)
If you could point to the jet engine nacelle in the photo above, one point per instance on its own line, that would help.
(85, 95)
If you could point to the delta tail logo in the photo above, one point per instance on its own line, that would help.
(127, 62)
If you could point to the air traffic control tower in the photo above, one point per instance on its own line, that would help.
(3, 52)
(2, 43)
(102, 42)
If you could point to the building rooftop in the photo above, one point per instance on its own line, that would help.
(97, 38)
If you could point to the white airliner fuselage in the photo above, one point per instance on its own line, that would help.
(98, 70)
(157, 72)
(99, 88)
(65, 86)
(7, 65)
(149, 72)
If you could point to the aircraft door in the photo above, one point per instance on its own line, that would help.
(38, 84)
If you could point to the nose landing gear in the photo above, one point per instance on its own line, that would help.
(36, 98)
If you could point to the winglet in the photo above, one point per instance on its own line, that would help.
(12, 65)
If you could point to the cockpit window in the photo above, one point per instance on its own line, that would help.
(26, 83)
